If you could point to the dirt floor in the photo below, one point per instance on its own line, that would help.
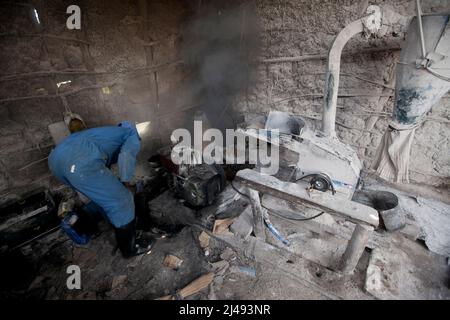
(243, 268)
(106, 275)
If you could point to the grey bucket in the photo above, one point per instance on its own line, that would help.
(386, 203)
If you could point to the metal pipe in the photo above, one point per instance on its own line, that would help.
(45, 233)
(332, 76)
(422, 38)
(370, 24)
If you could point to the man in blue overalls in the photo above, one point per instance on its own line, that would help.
(83, 160)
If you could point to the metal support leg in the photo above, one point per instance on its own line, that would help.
(355, 248)
(258, 214)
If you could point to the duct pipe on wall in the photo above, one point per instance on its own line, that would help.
(368, 24)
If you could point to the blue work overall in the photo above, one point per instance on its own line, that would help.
(83, 161)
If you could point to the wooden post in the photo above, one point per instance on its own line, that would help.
(258, 214)
(355, 248)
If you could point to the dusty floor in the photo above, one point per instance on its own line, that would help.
(405, 270)
(106, 275)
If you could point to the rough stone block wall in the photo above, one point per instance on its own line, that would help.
(124, 64)
(291, 28)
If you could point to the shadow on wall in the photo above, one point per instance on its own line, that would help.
(219, 43)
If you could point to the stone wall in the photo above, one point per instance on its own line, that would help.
(291, 28)
(124, 64)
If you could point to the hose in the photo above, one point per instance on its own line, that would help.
(276, 233)
(277, 214)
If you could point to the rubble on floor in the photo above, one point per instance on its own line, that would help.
(427, 219)
(407, 270)
(200, 256)
(106, 275)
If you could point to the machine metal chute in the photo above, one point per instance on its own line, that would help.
(422, 79)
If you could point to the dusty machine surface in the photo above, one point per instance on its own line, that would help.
(312, 155)
(321, 153)
(422, 79)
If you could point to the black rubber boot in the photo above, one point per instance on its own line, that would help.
(143, 220)
(128, 244)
